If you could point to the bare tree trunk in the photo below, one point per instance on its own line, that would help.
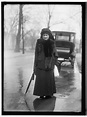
(22, 32)
(48, 25)
(49, 16)
(17, 47)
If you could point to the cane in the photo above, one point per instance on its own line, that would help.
(32, 78)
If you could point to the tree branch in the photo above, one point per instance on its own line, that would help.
(66, 19)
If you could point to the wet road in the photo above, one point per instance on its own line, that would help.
(17, 72)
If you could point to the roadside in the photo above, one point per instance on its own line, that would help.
(11, 54)
(18, 69)
(79, 61)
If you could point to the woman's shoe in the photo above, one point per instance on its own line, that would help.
(47, 97)
(42, 97)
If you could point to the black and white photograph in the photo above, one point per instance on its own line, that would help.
(42, 58)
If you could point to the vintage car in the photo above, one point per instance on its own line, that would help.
(65, 45)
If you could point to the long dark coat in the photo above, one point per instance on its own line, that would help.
(45, 82)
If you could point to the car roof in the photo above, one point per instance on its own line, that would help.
(66, 32)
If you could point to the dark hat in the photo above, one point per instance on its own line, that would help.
(47, 31)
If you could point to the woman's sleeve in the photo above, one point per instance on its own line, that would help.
(55, 51)
(35, 56)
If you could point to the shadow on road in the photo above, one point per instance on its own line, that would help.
(44, 104)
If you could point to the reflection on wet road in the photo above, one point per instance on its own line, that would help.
(44, 104)
(66, 98)
(20, 75)
(65, 82)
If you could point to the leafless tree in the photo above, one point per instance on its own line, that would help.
(50, 13)
(17, 47)
(21, 23)
(10, 26)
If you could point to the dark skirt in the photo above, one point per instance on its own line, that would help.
(45, 83)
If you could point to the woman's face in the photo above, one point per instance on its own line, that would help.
(45, 36)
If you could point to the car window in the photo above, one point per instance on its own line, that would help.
(65, 38)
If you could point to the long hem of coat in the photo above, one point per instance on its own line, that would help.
(45, 83)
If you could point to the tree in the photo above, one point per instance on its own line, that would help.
(10, 25)
(17, 47)
(49, 16)
(33, 38)
(22, 31)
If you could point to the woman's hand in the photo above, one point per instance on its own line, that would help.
(34, 70)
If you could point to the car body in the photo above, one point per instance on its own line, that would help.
(65, 46)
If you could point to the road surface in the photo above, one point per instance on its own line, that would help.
(17, 71)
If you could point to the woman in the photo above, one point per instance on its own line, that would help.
(45, 56)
